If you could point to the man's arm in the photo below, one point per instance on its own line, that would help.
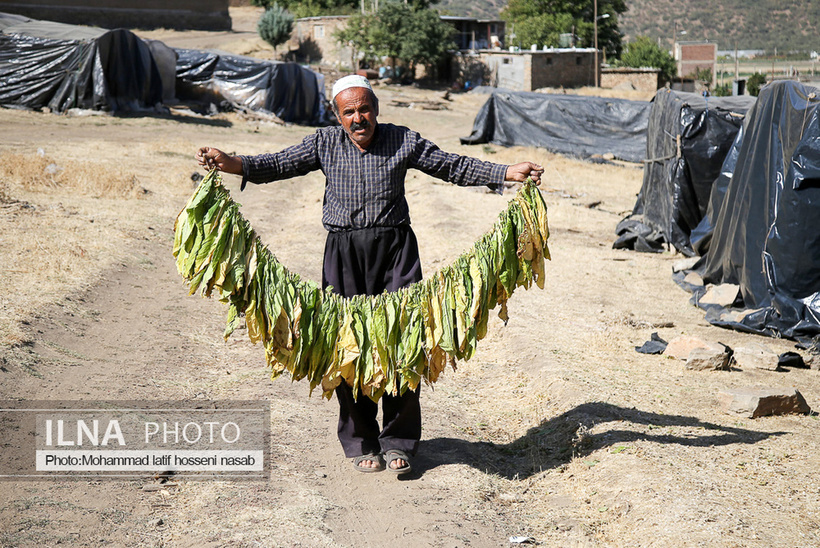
(293, 161)
(467, 171)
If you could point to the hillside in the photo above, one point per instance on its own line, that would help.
(759, 24)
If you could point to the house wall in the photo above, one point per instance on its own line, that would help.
(693, 56)
(473, 34)
(312, 41)
(639, 79)
(177, 14)
(532, 70)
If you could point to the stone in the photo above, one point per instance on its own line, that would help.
(713, 358)
(693, 278)
(761, 402)
(681, 347)
(812, 361)
(723, 294)
(756, 356)
(685, 264)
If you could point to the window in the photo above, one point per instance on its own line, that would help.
(548, 60)
(319, 31)
(578, 60)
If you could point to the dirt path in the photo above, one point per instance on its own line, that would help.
(556, 430)
(137, 335)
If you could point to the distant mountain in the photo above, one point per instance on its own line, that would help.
(787, 25)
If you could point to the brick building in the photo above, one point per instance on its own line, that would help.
(693, 56)
(176, 14)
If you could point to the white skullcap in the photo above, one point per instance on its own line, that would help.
(352, 81)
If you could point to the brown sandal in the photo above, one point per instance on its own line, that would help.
(392, 455)
(357, 463)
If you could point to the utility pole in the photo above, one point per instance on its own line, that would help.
(737, 68)
(595, 31)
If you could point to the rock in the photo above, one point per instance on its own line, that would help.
(757, 402)
(743, 313)
(713, 358)
(681, 347)
(693, 278)
(723, 294)
(812, 361)
(684, 264)
(756, 356)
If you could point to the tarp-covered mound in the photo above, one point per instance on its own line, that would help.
(766, 237)
(566, 124)
(59, 66)
(288, 90)
(686, 142)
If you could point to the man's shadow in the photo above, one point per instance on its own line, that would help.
(557, 441)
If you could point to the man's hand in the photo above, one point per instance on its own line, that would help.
(520, 172)
(213, 158)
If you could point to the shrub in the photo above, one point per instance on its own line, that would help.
(275, 25)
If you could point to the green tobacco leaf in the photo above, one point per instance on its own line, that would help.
(381, 344)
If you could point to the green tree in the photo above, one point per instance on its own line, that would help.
(542, 21)
(645, 52)
(275, 25)
(722, 90)
(754, 83)
(312, 8)
(409, 32)
(542, 30)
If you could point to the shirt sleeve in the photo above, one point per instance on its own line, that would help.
(460, 170)
(293, 161)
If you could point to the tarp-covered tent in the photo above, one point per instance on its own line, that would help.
(59, 66)
(766, 237)
(687, 140)
(566, 124)
(288, 90)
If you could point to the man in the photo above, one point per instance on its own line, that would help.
(370, 246)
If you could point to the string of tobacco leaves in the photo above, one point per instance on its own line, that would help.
(381, 344)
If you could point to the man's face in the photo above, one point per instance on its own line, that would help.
(357, 114)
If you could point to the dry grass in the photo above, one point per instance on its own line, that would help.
(39, 172)
(63, 222)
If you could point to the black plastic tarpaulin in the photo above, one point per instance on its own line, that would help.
(288, 90)
(687, 140)
(765, 237)
(59, 66)
(566, 124)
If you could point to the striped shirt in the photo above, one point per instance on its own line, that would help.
(366, 189)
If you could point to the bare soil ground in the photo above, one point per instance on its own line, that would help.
(557, 430)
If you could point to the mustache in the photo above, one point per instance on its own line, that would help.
(356, 126)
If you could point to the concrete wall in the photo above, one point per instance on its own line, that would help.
(177, 14)
(639, 79)
(312, 41)
(532, 70)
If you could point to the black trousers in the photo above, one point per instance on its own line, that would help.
(371, 261)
